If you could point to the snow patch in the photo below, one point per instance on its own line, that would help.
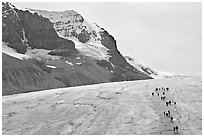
(70, 63)
(77, 43)
(24, 40)
(112, 65)
(97, 44)
(78, 63)
(41, 53)
(12, 52)
(51, 66)
(94, 26)
(61, 102)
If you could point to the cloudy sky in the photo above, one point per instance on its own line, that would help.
(165, 36)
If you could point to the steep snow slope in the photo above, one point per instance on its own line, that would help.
(111, 108)
(141, 67)
(92, 49)
(149, 71)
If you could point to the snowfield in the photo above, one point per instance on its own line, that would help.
(92, 49)
(41, 53)
(110, 108)
(12, 52)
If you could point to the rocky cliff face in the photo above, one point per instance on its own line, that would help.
(57, 49)
(12, 29)
(123, 70)
(22, 28)
(71, 24)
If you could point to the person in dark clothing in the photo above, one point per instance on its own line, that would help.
(174, 130)
(171, 119)
(169, 112)
(177, 129)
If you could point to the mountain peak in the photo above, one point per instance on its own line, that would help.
(51, 11)
(71, 11)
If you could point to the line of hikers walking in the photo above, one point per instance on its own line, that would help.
(167, 103)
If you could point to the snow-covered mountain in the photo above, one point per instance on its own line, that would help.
(141, 67)
(86, 36)
(61, 45)
(148, 70)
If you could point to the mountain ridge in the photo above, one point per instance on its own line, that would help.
(148, 70)
(67, 48)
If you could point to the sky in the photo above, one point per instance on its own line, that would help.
(165, 36)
